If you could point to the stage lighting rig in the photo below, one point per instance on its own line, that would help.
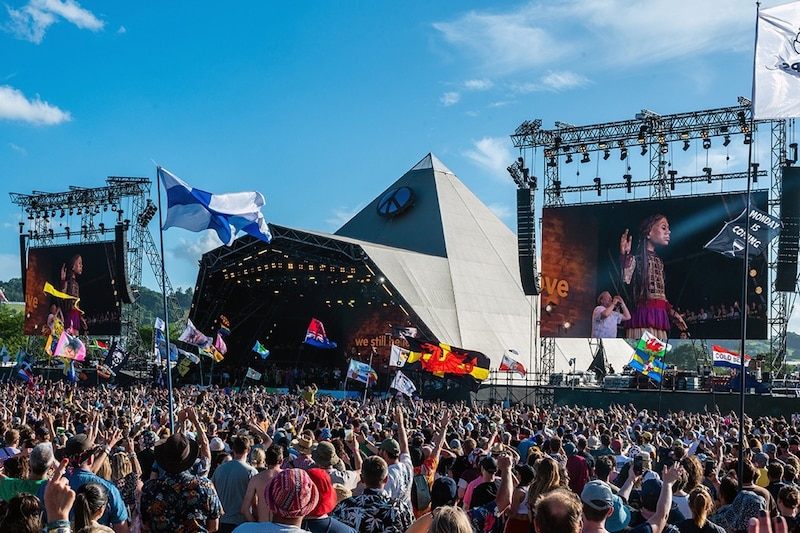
(627, 178)
(598, 186)
(150, 210)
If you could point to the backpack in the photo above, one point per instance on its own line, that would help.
(420, 492)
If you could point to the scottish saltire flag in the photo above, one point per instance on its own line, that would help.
(402, 383)
(648, 356)
(398, 356)
(159, 324)
(730, 241)
(315, 335)
(261, 350)
(362, 372)
(509, 363)
(723, 357)
(253, 374)
(776, 87)
(226, 214)
(70, 347)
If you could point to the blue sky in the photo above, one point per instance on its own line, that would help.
(321, 105)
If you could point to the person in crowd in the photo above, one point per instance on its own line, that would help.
(90, 502)
(701, 505)
(40, 461)
(374, 510)
(254, 506)
(179, 498)
(231, 480)
(318, 520)
(518, 515)
(559, 510)
(450, 519)
(326, 458)
(291, 496)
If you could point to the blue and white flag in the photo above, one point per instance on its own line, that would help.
(776, 80)
(159, 325)
(197, 210)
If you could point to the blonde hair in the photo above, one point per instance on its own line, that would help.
(450, 519)
(103, 469)
(700, 503)
(342, 492)
(258, 459)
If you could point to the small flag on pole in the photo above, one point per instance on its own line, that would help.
(197, 210)
(723, 357)
(402, 383)
(192, 335)
(358, 371)
(398, 356)
(261, 350)
(315, 335)
(70, 347)
(253, 374)
(730, 241)
(159, 325)
(648, 356)
(509, 363)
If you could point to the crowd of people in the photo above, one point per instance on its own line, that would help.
(245, 460)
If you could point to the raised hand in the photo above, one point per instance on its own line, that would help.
(625, 243)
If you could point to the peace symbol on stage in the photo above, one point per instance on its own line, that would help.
(395, 201)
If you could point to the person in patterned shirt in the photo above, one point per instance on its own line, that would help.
(374, 511)
(179, 501)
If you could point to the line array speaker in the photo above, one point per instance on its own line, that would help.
(786, 269)
(121, 264)
(526, 241)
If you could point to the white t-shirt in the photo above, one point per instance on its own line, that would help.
(401, 475)
(605, 328)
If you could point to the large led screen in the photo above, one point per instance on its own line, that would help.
(59, 276)
(581, 258)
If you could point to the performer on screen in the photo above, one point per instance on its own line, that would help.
(73, 316)
(609, 313)
(644, 270)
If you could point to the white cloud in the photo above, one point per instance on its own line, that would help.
(564, 79)
(15, 106)
(450, 98)
(492, 155)
(340, 216)
(597, 34)
(478, 85)
(32, 20)
(18, 148)
(122, 30)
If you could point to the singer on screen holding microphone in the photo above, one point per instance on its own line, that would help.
(609, 313)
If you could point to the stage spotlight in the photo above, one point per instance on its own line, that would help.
(707, 170)
(623, 154)
(748, 138)
(664, 148)
(598, 186)
(686, 144)
(727, 140)
(706, 143)
(550, 307)
(557, 187)
(642, 131)
(627, 178)
(606, 154)
(585, 158)
(62, 213)
(568, 159)
(644, 150)
(754, 166)
(552, 162)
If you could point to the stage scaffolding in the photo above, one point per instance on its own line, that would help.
(654, 135)
(43, 224)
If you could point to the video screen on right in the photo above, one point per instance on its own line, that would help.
(586, 252)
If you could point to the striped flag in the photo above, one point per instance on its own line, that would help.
(510, 364)
(723, 357)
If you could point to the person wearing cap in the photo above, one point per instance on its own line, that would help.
(231, 479)
(40, 461)
(657, 508)
(374, 510)
(145, 455)
(179, 497)
(254, 507)
(577, 468)
(444, 491)
(488, 466)
(325, 457)
(291, 496)
(318, 520)
(82, 455)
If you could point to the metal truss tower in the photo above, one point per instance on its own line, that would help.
(46, 211)
(653, 134)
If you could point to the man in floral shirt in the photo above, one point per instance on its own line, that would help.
(373, 511)
(179, 501)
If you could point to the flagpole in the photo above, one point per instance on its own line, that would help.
(166, 310)
(746, 261)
